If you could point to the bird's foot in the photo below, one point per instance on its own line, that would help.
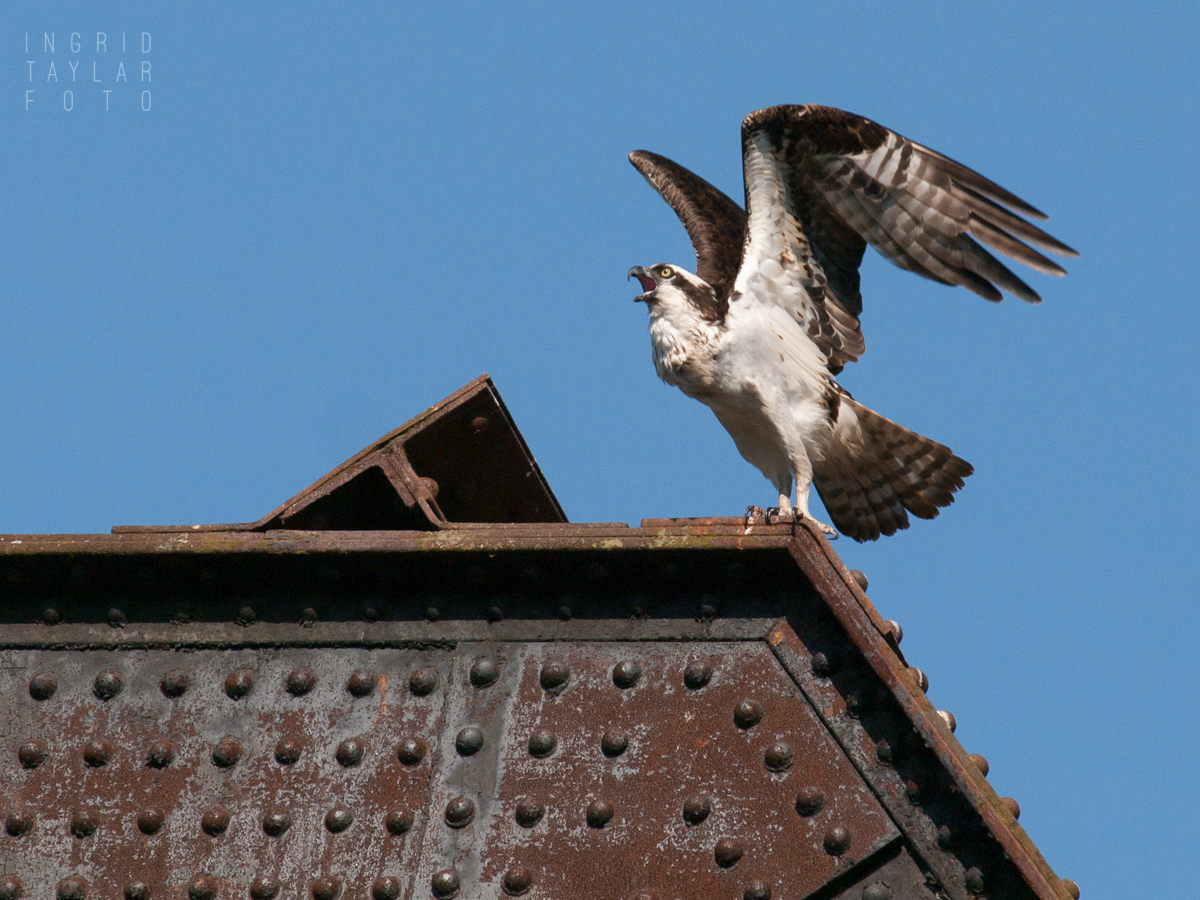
(828, 530)
(753, 515)
(775, 515)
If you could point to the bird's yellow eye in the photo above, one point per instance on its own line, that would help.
(665, 272)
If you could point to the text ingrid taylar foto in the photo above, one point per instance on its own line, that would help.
(120, 62)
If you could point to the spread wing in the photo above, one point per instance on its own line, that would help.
(822, 183)
(715, 223)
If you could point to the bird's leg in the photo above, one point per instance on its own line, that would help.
(803, 484)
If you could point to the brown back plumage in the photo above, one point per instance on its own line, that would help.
(870, 485)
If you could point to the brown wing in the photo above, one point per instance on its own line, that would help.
(848, 181)
(714, 222)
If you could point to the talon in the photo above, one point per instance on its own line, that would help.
(775, 514)
(828, 530)
(752, 512)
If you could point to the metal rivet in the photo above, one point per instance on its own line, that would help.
(174, 683)
(362, 682)
(300, 681)
(493, 613)
(371, 614)
(517, 881)
(411, 751)
(308, 617)
(859, 578)
(697, 675)
(637, 611)
(161, 755)
(445, 884)
(264, 888)
(945, 837)
(460, 812)
(72, 888)
(884, 752)
(149, 821)
(469, 741)
(338, 819)
(877, 891)
(626, 674)
(837, 841)
(1071, 887)
(727, 852)
(42, 686)
(696, 810)
(276, 824)
(97, 753)
(422, 682)
(920, 678)
(203, 887)
(288, 751)
(50, 616)
(239, 684)
(974, 880)
(528, 813)
(398, 823)
(11, 887)
(820, 665)
(912, 790)
(948, 718)
(137, 890)
(564, 613)
(385, 888)
(747, 714)
(554, 675)
(707, 612)
(854, 705)
(599, 813)
(810, 801)
(433, 614)
(18, 823)
(614, 743)
(326, 888)
(542, 743)
(245, 616)
(779, 756)
(1013, 807)
(83, 824)
(214, 821)
(757, 890)
(484, 673)
(108, 684)
(894, 629)
(117, 619)
(227, 752)
(981, 764)
(32, 753)
(349, 752)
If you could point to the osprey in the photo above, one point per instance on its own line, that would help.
(771, 314)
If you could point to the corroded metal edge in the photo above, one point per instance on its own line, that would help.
(863, 626)
(409, 634)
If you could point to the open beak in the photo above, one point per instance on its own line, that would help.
(648, 283)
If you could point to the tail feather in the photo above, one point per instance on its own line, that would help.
(876, 472)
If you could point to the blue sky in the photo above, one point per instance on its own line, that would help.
(333, 216)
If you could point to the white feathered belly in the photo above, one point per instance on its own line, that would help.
(752, 380)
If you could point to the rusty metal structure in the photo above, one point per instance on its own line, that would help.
(416, 680)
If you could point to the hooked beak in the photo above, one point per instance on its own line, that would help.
(648, 283)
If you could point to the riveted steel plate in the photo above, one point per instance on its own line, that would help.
(666, 770)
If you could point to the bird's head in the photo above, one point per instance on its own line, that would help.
(667, 288)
